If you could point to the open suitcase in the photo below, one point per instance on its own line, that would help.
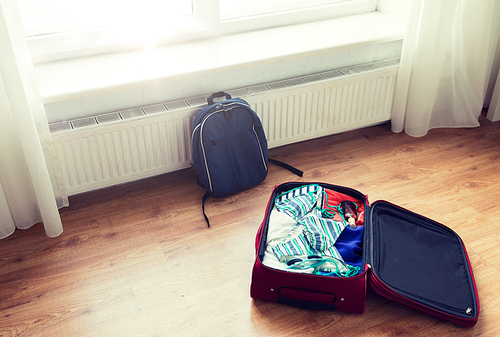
(403, 256)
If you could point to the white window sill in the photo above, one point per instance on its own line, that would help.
(92, 85)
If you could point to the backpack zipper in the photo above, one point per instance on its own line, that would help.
(260, 146)
(218, 106)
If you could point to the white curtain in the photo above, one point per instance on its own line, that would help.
(446, 63)
(30, 184)
(494, 106)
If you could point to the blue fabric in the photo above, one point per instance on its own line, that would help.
(350, 245)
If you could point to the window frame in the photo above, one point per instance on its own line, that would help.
(205, 23)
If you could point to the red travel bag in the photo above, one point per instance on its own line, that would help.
(403, 256)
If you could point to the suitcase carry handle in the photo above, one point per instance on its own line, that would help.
(210, 98)
(306, 299)
(307, 295)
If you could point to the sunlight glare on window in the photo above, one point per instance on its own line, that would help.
(59, 16)
(150, 20)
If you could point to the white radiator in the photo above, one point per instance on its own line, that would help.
(115, 148)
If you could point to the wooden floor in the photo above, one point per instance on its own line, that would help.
(138, 259)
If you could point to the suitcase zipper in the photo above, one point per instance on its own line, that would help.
(380, 287)
(386, 290)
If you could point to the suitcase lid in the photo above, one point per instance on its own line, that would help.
(420, 263)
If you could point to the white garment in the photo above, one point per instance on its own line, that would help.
(279, 227)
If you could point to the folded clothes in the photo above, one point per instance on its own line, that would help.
(314, 241)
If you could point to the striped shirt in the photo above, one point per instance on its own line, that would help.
(313, 234)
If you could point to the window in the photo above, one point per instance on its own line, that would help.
(65, 28)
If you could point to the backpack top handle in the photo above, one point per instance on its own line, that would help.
(210, 99)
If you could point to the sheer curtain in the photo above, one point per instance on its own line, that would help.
(446, 63)
(494, 108)
(30, 188)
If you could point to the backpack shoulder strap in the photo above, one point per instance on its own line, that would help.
(274, 161)
(203, 199)
(286, 166)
